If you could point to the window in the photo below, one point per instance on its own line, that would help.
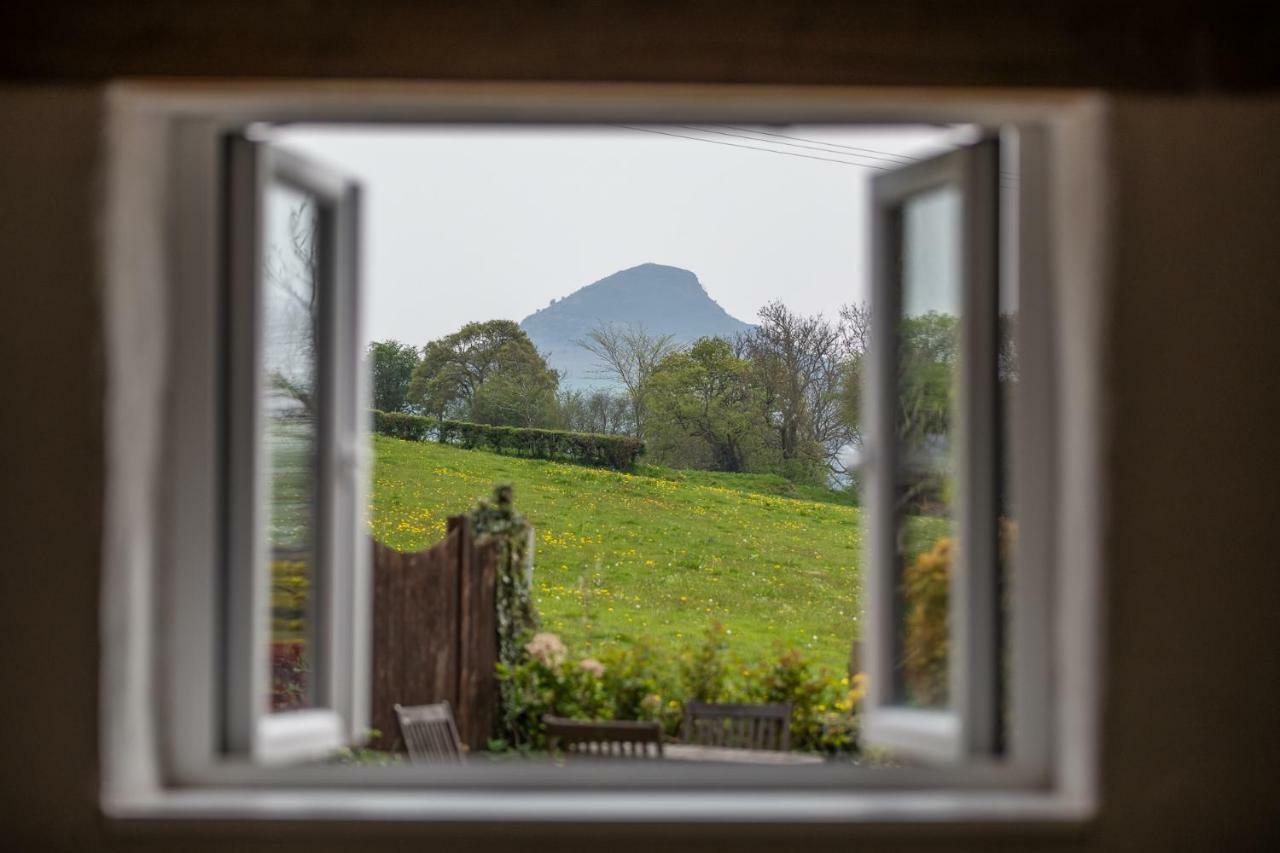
(295, 617)
(934, 457)
(281, 416)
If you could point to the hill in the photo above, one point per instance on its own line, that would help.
(664, 300)
(657, 554)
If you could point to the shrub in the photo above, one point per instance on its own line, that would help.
(705, 670)
(925, 588)
(641, 685)
(583, 448)
(926, 637)
(547, 681)
(821, 703)
(638, 683)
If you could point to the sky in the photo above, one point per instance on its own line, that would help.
(468, 223)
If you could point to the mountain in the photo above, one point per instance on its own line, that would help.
(664, 300)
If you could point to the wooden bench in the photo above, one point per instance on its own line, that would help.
(761, 727)
(604, 738)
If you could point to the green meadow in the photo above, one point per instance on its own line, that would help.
(657, 554)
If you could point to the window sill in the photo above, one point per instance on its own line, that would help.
(1023, 810)
(295, 736)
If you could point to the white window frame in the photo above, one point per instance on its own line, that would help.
(162, 254)
(338, 629)
(969, 727)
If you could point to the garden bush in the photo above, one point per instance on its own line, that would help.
(926, 583)
(639, 683)
(926, 637)
(584, 448)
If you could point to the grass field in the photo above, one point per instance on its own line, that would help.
(658, 553)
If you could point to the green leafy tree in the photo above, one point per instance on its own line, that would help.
(705, 394)
(392, 364)
(486, 372)
(522, 395)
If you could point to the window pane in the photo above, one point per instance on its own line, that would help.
(928, 350)
(289, 406)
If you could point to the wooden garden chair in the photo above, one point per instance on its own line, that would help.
(760, 727)
(604, 738)
(430, 734)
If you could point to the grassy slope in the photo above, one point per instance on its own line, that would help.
(658, 554)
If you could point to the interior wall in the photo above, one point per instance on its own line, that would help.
(1192, 744)
(51, 462)
(1190, 352)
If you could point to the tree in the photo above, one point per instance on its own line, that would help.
(706, 393)
(392, 364)
(927, 349)
(599, 411)
(291, 314)
(518, 394)
(488, 372)
(855, 340)
(629, 355)
(797, 364)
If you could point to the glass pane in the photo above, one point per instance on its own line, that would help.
(289, 385)
(928, 331)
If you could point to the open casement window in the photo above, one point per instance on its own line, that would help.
(934, 468)
(295, 601)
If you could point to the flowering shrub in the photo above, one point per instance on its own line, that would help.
(638, 683)
(546, 681)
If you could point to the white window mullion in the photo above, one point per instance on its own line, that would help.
(347, 617)
(975, 612)
(246, 668)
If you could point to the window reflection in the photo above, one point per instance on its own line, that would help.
(928, 354)
(290, 327)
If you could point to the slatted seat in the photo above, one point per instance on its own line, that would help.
(430, 734)
(764, 727)
(623, 739)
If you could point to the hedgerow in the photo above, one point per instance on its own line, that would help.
(584, 448)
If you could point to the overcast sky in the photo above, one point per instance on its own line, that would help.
(466, 223)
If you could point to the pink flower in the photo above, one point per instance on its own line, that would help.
(547, 649)
(592, 666)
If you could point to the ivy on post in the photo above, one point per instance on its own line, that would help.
(497, 522)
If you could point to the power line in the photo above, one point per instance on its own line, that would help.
(790, 144)
(751, 147)
(1004, 175)
(870, 151)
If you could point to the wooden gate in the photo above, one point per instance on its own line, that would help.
(435, 634)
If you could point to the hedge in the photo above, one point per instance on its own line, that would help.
(583, 448)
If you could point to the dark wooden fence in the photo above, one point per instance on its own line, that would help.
(435, 634)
